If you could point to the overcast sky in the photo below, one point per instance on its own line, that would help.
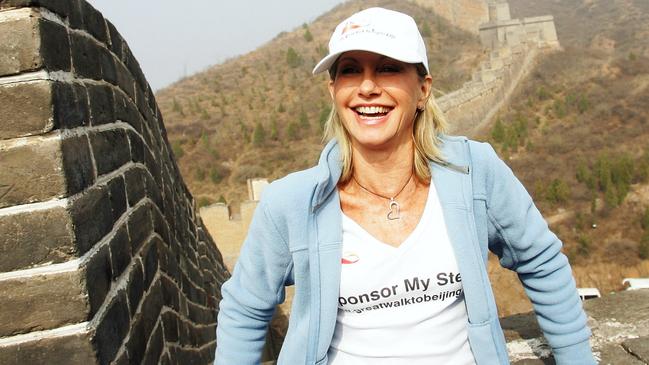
(172, 39)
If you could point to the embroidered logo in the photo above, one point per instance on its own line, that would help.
(351, 26)
(349, 258)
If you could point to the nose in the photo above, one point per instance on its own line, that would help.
(368, 86)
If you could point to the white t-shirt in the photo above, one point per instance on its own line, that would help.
(401, 305)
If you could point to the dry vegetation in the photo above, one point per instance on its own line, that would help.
(260, 115)
(577, 134)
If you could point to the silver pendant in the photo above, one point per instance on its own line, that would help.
(394, 212)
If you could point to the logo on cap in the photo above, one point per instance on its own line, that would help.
(351, 26)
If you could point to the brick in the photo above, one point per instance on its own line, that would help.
(160, 225)
(120, 252)
(77, 164)
(135, 289)
(136, 147)
(85, 53)
(35, 238)
(70, 105)
(102, 104)
(170, 294)
(73, 348)
(94, 22)
(135, 189)
(30, 172)
(25, 109)
(125, 81)
(18, 43)
(62, 7)
(136, 343)
(54, 46)
(140, 227)
(92, 217)
(126, 111)
(154, 348)
(112, 329)
(153, 304)
(117, 191)
(116, 41)
(108, 68)
(153, 191)
(41, 302)
(150, 261)
(98, 276)
(134, 68)
(170, 322)
(110, 149)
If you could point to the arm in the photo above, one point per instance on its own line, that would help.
(252, 293)
(521, 238)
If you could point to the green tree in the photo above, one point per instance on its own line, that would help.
(293, 59)
(177, 149)
(498, 131)
(221, 200)
(274, 129)
(291, 131)
(557, 192)
(643, 249)
(307, 35)
(304, 120)
(259, 135)
(215, 175)
(583, 245)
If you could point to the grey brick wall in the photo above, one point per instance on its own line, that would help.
(103, 257)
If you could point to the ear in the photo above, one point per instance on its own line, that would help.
(426, 89)
(331, 89)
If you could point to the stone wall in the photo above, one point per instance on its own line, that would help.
(104, 259)
(465, 14)
(513, 46)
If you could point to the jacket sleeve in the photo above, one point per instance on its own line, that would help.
(521, 238)
(252, 293)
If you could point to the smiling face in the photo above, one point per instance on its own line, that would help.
(377, 97)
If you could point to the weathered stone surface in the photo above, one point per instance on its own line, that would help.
(35, 238)
(19, 42)
(615, 354)
(619, 322)
(120, 251)
(110, 149)
(25, 109)
(54, 46)
(77, 164)
(71, 349)
(70, 105)
(85, 53)
(98, 277)
(113, 329)
(102, 104)
(30, 171)
(94, 23)
(156, 345)
(140, 227)
(92, 217)
(135, 189)
(638, 347)
(42, 302)
(135, 289)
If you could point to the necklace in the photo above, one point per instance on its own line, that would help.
(394, 211)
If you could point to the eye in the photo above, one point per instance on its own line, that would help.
(348, 69)
(389, 68)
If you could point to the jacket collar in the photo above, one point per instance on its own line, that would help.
(330, 166)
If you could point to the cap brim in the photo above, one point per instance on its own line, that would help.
(330, 59)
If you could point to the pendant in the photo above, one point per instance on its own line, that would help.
(394, 210)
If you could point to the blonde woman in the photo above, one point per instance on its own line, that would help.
(386, 238)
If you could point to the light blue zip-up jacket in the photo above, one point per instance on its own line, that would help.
(295, 237)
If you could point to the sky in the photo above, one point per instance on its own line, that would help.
(173, 39)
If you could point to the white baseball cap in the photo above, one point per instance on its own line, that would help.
(386, 32)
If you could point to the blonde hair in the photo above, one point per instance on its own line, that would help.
(429, 125)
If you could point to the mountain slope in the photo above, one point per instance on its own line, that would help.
(259, 115)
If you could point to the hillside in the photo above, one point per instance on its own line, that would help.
(577, 134)
(260, 115)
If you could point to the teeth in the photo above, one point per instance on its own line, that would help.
(372, 109)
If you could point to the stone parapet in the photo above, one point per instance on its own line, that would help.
(104, 257)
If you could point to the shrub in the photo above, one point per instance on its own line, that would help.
(307, 35)
(644, 220)
(583, 245)
(291, 131)
(177, 148)
(293, 59)
(259, 135)
(643, 249)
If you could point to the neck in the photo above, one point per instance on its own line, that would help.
(384, 170)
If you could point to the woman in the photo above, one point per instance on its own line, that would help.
(386, 238)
